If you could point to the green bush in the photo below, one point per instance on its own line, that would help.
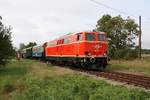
(123, 53)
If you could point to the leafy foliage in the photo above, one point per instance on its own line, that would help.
(121, 33)
(6, 48)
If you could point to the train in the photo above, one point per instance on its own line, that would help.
(80, 49)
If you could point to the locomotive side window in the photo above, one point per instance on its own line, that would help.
(90, 37)
(60, 41)
(101, 37)
(66, 41)
(80, 37)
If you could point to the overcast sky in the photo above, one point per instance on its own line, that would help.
(44, 20)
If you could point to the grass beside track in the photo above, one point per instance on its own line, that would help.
(132, 66)
(33, 80)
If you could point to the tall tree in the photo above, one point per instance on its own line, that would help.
(122, 33)
(6, 48)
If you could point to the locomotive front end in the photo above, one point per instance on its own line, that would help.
(96, 49)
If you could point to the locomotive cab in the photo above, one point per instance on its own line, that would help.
(96, 44)
(92, 47)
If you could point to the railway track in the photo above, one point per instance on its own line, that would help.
(131, 79)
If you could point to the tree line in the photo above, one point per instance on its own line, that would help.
(145, 51)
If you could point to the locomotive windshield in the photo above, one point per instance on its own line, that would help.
(90, 37)
(101, 37)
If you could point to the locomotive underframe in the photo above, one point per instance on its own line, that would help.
(86, 62)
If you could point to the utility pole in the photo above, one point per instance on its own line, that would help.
(140, 32)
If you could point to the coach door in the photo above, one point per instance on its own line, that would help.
(79, 39)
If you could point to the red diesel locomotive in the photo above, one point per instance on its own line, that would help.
(86, 49)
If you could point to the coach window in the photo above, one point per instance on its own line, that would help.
(80, 37)
(90, 37)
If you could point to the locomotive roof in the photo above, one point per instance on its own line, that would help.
(69, 34)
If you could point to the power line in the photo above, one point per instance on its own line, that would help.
(114, 9)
